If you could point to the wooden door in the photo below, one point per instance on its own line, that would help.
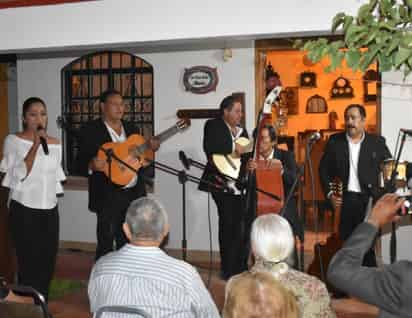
(7, 263)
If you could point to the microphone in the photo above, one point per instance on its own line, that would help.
(406, 131)
(185, 161)
(43, 142)
(314, 137)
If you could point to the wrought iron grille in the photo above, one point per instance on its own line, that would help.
(84, 79)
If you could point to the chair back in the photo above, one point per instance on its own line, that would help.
(123, 310)
(38, 309)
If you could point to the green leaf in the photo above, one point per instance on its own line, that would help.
(384, 7)
(385, 62)
(369, 57)
(352, 57)
(348, 21)
(394, 44)
(337, 21)
(372, 4)
(336, 59)
(353, 31)
(336, 45)
(370, 37)
(401, 56)
(363, 12)
(406, 40)
(386, 25)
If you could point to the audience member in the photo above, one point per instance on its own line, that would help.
(388, 288)
(257, 294)
(272, 244)
(141, 274)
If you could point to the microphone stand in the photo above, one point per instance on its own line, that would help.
(182, 176)
(298, 180)
(308, 160)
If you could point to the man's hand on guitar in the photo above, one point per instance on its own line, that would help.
(239, 149)
(97, 164)
(154, 143)
(336, 201)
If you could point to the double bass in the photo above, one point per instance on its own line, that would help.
(268, 180)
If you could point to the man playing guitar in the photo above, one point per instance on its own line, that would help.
(108, 200)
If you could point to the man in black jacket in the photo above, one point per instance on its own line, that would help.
(354, 157)
(108, 200)
(219, 137)
(389, 288)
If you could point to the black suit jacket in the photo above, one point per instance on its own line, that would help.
(335, 162)
(92, 135)
(389, 288)
(217, 139)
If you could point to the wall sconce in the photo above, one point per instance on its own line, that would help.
(227, 54)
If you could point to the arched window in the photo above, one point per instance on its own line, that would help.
(84, 79)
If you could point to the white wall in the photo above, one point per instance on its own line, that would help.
(131, 22)
(41, 77)
(396, 114)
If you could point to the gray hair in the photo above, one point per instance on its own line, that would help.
(272, 238)
(147, 219)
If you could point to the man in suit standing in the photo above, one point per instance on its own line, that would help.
(219, 137)
(108, 200)
(389, 288)
(354, 157)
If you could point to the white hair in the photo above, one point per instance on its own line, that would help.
(146, 218)
(272, 238)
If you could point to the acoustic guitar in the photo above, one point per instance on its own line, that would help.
(135, 152)
(229, 165)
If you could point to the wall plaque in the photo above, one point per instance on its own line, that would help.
(200, 79)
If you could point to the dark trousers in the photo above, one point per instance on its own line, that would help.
(231, 233)
(110, 220)
(352, 214)
(36, 237)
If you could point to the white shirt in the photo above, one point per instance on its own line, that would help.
(116, 138)
(39, 188)
(354, 149)
(149, 279)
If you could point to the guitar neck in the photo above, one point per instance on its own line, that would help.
(163, 136)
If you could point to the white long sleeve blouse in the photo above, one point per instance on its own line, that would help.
(39, 188)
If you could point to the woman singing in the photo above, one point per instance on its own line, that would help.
(31, 163)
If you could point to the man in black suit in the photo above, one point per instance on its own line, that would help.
(219, 137)
(389, 288)
(355, 158)
(108, 200)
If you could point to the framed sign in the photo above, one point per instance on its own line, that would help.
(200, 79)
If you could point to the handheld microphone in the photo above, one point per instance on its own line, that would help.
(185, 161)
(43, 142)
(314, 137)
(406, 131)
